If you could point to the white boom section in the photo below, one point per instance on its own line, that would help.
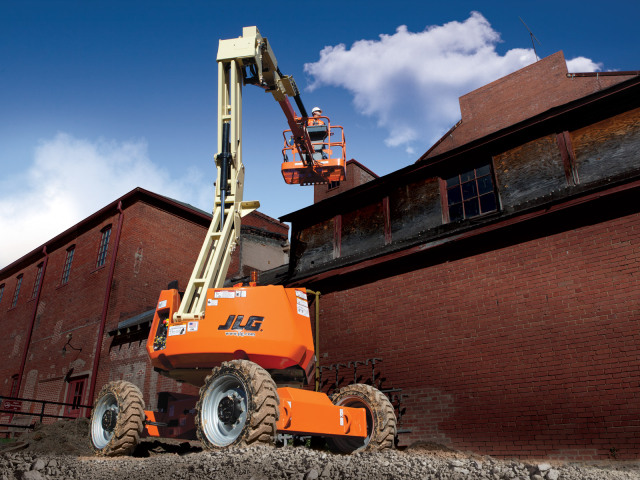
(212, 265)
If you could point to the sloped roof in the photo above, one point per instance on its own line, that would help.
(521, 95)
(184, 210)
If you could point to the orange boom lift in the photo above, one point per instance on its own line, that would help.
(249, 348)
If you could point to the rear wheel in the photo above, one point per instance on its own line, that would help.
(381, 419)
(238, 405)
(117, 419)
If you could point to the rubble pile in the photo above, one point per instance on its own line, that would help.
(69, 459)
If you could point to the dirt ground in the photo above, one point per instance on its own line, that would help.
(62, 451)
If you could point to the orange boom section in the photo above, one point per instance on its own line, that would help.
(329, 156)
(268, 325)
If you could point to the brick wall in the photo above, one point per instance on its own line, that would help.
(263, 245)
(530, 349)
(156, 246)
(519, 96)
(356, 174)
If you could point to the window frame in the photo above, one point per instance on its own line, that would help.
(103, 247)
(16, 292)
(66, 269)
(333, 185)
(13, 392)
(469, 176)
(36, 283)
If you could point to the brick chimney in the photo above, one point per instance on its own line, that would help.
(357, 174)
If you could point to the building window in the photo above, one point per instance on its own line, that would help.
(104, 246)
(17, 291)
(14, 386)
(36, 284)
(67, 264)
(1, 291)
(470, 194)
(333, 185)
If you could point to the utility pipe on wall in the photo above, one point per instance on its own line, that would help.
(33, 320)
(105, 307)
(317, 345)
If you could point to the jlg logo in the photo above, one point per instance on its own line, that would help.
(234, 322)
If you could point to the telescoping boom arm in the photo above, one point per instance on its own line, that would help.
(244, 60)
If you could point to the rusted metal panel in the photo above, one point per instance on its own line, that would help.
(314, 245)
(608, 148)
(629, 189)
(414, 207)
(337, 236)
(537, 165)
(568, 157)
(362, 230)
(387, 220)
(529, 172)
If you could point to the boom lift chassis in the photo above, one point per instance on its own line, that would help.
(245, 346)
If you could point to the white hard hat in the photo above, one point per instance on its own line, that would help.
(316, 109)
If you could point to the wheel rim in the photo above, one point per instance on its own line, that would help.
(224, 410)
(103, 420)
(349, 444)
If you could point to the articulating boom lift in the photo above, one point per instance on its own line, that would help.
(245, 346)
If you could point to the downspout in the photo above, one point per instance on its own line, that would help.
(105, 305)
(33, 319)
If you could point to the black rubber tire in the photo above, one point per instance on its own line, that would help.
(260, 401)
(381, 419)
(126, 399)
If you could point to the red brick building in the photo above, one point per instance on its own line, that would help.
(75, 311)
(495, 281)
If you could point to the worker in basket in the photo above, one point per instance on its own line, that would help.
(315, 119)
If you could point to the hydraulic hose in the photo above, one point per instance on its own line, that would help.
(224, 158)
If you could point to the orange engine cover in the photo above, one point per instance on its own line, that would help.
(268, 325)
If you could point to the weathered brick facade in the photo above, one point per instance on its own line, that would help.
(157, 241)
(511, 331)
(530, 349)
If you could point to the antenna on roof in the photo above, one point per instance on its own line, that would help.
(533, 37)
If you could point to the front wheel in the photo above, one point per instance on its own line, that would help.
(117, 419)
(238, 405)
(381, 419)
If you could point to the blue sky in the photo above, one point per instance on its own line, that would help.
(98, 97)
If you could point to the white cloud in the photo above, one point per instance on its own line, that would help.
(71, 178)
(410, 82)
(582, 64)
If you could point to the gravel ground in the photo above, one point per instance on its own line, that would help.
(43, 456)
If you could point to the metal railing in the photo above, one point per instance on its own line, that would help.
(14, 405)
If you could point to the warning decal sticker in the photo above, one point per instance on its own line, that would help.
(300, 294)
(177, 330)
(225, 294)
(303, 311)
(192, 327)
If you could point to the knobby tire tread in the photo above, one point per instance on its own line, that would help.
(384, 428)
(130, 422)
(260, 426)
